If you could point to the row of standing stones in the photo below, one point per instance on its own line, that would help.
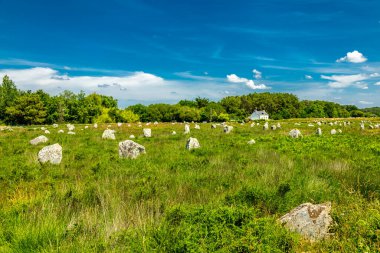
(309, 220)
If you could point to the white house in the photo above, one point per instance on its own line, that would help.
(256, 115)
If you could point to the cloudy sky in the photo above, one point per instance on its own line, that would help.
(148, 51)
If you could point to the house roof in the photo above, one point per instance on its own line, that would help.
(260, 113)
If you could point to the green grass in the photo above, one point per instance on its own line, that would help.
(224, 197)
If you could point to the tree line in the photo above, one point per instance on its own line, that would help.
(27, 107)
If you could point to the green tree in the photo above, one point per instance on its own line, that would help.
(28, 109)
(8, 94)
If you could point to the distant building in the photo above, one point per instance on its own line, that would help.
(256, 115)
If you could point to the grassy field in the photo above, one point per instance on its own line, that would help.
(224, 197)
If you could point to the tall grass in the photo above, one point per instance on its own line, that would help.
(225, 196)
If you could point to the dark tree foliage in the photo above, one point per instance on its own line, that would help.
(20, 107)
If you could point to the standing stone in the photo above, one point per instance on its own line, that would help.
(43, 128)
(273, 127)
(266, 126)
(71, 132)
(119, 124)
(295, 133)
(251, 142)
(319, 123)
(156, 123)
(339, 131)
(192, 143)
(333, 131)
(108, 134)
(371, 126)
(55, 125)
(147, 132)
(197, 126)
(85, 127)
(52, 154)
(228, 129)
(252, 124)
(311, 221)
(213, 126)
(310, 125)
(278, 125)
(174, 133)
(361, 126)
(38, 140)
(70, 127)
(61, 131)
(131, 136)
(187, 129)
(95, 125)
(130, 149)
(319, 131)
(47, 131)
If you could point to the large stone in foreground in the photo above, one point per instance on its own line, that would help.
(38, 140)
(311, 221)
(52, 154)
(295, 133)
(192, 143)
(130, 149)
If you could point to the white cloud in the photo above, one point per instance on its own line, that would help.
(309, 77)
(257, 74)
(378, 83)
(365, 102)
(249, 83)
(354, 57)
(134, 87)
(344, 81)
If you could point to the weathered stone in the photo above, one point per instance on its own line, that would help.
(85, 127)
(333, 131)
(295, 133)
(174, 133)
(70, 127)
(311, 221)
(251, 142)
(38, 140)
(47, 131)
(60, 131)
(319, 131)
(197, 126)
(71, 132)
(132, 136)
(362, 126)
(252, 124)
(273, 127)
(266, 126)
(147, 132)
(130, 149)
(52, 154)
(278, 125)
(213, 126)
(43, 128)
(55, 125)
(339, 131)
(228, 129)
(192, 143)
(119, 124)
(108, 134)
(310, 125)
(95, 125)
(187, 129)
(156, 123)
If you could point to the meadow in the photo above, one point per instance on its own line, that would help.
(226, 196)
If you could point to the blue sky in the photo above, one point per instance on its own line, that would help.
(163, 51)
